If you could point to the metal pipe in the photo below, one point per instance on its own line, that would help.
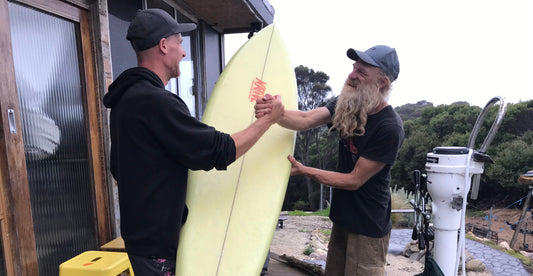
(488, 139)
(495, 125)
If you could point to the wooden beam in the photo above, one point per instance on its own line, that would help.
(62, 9)
(94, 111)
(19, 249)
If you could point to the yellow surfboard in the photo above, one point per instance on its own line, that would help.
(233, 213)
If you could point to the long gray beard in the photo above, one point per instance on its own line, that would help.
(353, 106)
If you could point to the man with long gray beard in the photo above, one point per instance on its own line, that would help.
(371, 134)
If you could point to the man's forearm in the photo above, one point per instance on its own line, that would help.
(245, 139)
(336, 180)
(303, 120)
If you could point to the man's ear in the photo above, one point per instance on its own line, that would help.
(163, 45)
(382, 82)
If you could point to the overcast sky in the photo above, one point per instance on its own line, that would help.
(449, 50)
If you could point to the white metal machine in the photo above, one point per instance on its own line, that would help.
(451, 171)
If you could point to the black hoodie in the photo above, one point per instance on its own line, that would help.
(154, 141)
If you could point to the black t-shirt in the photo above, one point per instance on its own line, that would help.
(367, 210)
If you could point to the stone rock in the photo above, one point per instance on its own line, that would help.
(504, 245)
(472, 264)
(475, 266)
(527, 254)
(319, 255)
(410, 249)
(417, 256)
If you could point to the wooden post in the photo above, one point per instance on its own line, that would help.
(490, 221)
(523, 180)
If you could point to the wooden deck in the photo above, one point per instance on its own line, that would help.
(277, 266)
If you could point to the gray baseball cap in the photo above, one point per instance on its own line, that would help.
(380, 56)
(150, 25)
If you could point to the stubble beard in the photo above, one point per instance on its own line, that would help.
(353, 106)
(176, 72)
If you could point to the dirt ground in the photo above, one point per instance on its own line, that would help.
(300, 232)
(505, 232)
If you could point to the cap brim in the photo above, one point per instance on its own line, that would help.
(358, 55)
(185, 27)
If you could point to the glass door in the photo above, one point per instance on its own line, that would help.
(50, 88)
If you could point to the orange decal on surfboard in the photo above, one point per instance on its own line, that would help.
(257, 90)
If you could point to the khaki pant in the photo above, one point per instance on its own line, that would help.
(351, 254)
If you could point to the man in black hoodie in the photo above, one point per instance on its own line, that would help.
(155, 141)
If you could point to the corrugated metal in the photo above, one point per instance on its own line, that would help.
(55, 138)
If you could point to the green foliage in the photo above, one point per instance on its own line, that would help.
(475, 213)
(518, 119)
(400, 200)
(301, 205)
(312, 88)
(412, 156)
(308, 251)
(323, 213)
(299, 213)
(313, 92)
(511, 159)
(455, 138)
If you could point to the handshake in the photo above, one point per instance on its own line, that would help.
(269, 108)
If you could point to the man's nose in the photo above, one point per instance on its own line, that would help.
(352, 75)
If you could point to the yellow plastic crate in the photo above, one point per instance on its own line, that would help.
(97, 263)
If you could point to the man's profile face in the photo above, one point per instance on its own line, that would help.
(175, 53)
(363, 74)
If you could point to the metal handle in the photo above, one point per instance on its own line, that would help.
(495, 125)
(488, 139)
(11, 119)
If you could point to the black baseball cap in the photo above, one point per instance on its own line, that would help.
(150, 25)
(381, 56)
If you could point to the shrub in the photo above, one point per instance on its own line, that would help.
(300, 205)
(308, 251)
(400, 200)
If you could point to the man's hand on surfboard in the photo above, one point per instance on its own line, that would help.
(269, 107)
(296, 167)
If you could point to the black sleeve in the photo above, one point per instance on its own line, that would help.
(331, 105)
(191, 142)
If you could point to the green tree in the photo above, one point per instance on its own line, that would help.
(313, 92)
(511, 159)
(323, 154)
(412, 156)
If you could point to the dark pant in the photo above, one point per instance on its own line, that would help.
(152, 266)
(356, 255)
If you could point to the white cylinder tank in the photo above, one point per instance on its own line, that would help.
(446, 169)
